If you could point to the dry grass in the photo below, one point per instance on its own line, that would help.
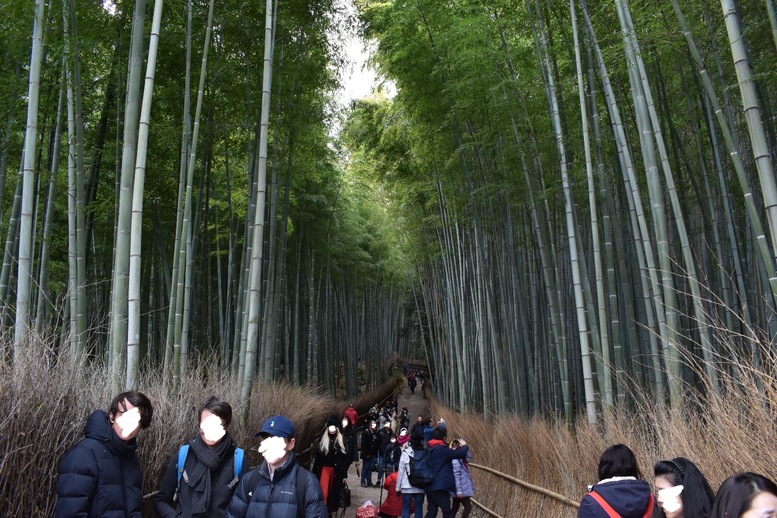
(723, 434)
(44, 405)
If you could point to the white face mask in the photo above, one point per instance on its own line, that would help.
(345, 423)
(128, 422)
(212, 428)
(273, 449)
(670, 498)
(332, 429)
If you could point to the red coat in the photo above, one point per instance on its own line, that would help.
(352, 414)
(392, 505)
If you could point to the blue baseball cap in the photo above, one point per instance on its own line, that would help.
(278, 426)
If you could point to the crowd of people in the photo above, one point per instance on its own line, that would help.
(100, 475)
(682, 491)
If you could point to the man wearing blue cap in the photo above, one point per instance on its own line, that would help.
(279, 487)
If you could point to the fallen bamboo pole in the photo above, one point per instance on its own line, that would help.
(532, 487)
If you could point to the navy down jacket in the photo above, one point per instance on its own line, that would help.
(628, 496)
(440, 456)
(259, 497)
(100, 475)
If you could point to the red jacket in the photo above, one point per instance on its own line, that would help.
(352, 414)
(392, 505)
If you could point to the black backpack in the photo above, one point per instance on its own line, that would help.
(420, 474)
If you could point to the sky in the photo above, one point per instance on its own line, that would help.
(358, 79)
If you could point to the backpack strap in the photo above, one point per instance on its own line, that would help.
(302, 489)
(237, 467)
(612, 513)
(651, 504)
(239, 456)
(182, 453)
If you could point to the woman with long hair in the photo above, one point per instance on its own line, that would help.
(331, 464)
(683, 492)
(746, 495)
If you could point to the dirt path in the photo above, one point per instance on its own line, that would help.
(416, 404)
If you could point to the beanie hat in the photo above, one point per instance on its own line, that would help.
(332, 420)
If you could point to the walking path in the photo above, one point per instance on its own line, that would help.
(416, 404)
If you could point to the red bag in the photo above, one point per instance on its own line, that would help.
(367, 510)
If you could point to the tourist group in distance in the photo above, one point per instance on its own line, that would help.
(417, 465)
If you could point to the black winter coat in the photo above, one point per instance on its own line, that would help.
(221, 491)
(370, 444)
(349, 435)
(340, 461)
(259, 497)
(100, 475)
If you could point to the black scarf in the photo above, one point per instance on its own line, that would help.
(208, 459)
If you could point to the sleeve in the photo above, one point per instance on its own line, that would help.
(317, 463)
(164, 501)
(315, 506)
(589, 508)
(238, 506)
(76, 483)
(459, 453)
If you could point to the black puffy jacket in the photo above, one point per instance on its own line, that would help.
(100, 475)
(257, 496)
(166, 505)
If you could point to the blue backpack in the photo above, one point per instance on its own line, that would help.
(184, 451)
(420, 473)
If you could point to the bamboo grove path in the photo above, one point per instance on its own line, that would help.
(416, 405)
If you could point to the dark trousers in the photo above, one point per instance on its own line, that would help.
(465, 502)
(367, 465)
(438, 500)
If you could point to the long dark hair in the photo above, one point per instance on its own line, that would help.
(736, 494)
(697, 495)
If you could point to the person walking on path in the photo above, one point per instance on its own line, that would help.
(417, 431)
(352, 414)
(411, 495)
(441, 463)
(100, 475)
(349, 436)
(203, 485)
(465, 488)
(331, 464)
(279, 487)
(369, 452)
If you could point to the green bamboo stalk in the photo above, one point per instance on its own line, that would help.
(751, 106)
(24, 279)
(120, 286)
(254, 296)
(136, 224)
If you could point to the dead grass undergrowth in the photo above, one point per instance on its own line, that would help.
(44, 405)
(724, 434)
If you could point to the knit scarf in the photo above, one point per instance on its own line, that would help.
(208, 459)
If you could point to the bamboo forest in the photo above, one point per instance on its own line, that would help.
(553, 204)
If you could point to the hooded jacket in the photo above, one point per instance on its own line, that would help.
(167, 505)
(257, 496)
(100, 475)
(440, 457)
(628, 496)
